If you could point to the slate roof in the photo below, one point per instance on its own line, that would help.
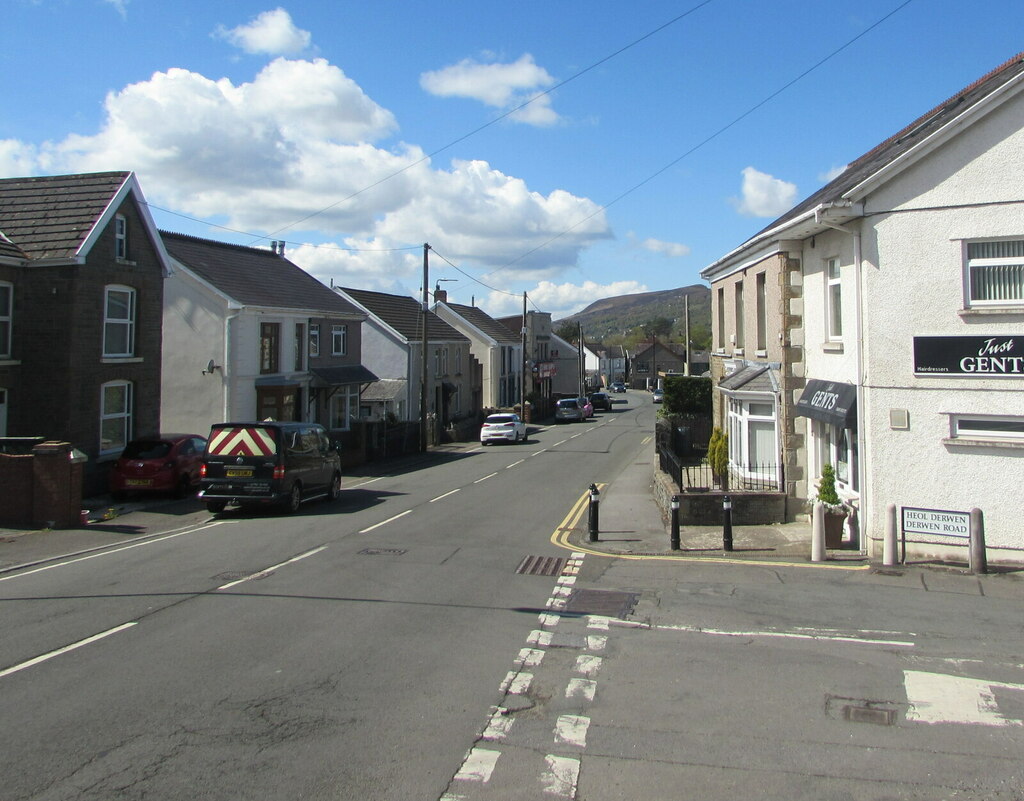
(485, 323)
(902, 142)
(752, 378)
(255, 277)
(385, 389)
(405, 315)
(49, 217)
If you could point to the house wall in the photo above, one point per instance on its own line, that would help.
(194, 334)
(914, 285)
(60, 333)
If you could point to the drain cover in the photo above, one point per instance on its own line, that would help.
(869, 714)
(541, 566)
(609, 603)
(382, 551)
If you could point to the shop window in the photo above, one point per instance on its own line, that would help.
(995, 273)
(838, 447)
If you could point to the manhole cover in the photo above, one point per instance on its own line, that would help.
(382, 551)
(541, 566)
(609, 603)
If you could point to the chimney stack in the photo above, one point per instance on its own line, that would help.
(440, 296)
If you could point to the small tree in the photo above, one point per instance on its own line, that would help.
(718, 456)
(827, 489)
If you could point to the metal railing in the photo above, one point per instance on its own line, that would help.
(697, 475)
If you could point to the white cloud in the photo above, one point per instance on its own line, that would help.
(832, 174)
(764, 196)
(272, 33)
(294, 153)
(502, 86)
(121, 6)
(670, 249)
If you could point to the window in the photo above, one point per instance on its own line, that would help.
(995, 272)
(721, 318)
(834, 300)
(270, 342)
(344, 407)
(120, 237)
(753, 446)
(458, 361)
(762, 312)
(339, 340)
(738, 344)
(115, 416)
(300, 343)
(314, 340)
(119, 321)
(444, 361)
(986, 427)
(838, 447)
(6, 313)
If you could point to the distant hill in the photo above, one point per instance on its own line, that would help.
(615, 316)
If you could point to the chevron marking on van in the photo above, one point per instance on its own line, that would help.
(243, 442)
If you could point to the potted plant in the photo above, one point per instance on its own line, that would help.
(835, 509)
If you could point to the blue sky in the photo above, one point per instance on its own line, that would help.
(358, 131)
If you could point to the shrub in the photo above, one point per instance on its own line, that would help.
(688, 395)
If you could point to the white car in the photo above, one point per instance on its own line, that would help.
(502, 428)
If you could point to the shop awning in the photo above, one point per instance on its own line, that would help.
(832, 402)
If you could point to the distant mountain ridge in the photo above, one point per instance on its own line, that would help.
(616, 315)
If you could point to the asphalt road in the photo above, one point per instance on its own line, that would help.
(384, 647)
(350, 651)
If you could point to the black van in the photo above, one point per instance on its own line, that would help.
(267, 462)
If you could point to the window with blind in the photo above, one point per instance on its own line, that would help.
(995, 272)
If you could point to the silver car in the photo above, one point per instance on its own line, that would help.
(502, 428)
(569, 410)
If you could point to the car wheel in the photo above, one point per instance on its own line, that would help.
(294, 499)
(216, 507)
(334, 489)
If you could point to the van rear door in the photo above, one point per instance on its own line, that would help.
(240, 460)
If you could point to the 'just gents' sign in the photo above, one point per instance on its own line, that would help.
(988, 356)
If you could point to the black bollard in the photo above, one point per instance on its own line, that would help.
(594, 496)
(726, 523)
(674, 540)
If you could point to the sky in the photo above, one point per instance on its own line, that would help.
(569, 150)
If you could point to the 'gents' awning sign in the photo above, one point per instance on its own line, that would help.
(832, 402)
(987, 356)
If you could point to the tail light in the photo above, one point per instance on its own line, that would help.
(202, 470)
(279, 472)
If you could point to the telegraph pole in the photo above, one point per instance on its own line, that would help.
(686, 311)
(522, 377)
(423, 354)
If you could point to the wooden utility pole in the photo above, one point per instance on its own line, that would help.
(686, 334)
(423, 354)
(522, 376)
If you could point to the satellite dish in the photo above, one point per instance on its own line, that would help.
(210, 367)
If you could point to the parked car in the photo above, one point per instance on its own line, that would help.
(502, 428)
(601, 400)
(568, 410)
(618, 386)
(658, 395)
(269, 463)
(587, 407)
(164, 463)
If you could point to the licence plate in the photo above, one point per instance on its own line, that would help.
(234, 473)
(138, 482)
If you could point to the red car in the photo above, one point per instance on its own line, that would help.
(165, 463)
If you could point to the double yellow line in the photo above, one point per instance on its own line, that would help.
(560, 538)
